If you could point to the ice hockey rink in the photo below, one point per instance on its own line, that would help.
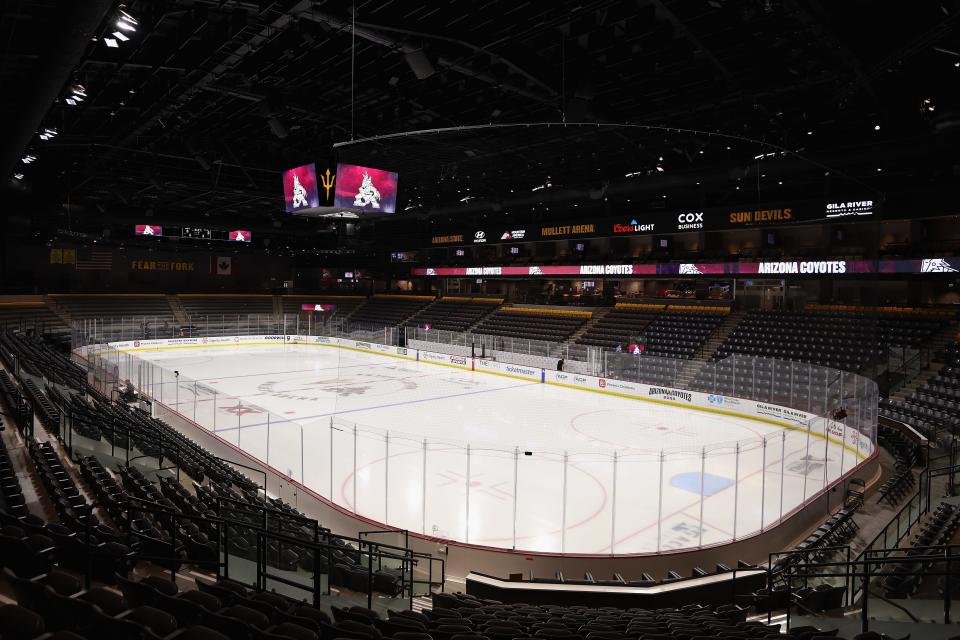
(493, 460)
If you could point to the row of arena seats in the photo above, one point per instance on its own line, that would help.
(901, 580)
(843, 340)
(546, 325)
(454, 314)
(37, 359)
(200, 308)
(123, 426)
(138, 307)
(12, 500)
(935, 405)
(343, 305)
(31, 315)
(153, 607)
(389, 310)
(464, 617)
(838, 530)
(669, 333)
(901, 484)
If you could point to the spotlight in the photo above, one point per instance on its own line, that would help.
(28, 158)
(876, 127)
(18, 176)
(125, 21)
(111, 43)
(76, 94)
(809, 133)
(119, 36)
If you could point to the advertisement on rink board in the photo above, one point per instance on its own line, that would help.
(508, 369)
(461, 362)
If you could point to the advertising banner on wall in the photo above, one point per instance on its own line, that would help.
(666, 222)
(778, 268)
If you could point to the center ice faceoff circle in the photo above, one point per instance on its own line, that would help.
(497, 461)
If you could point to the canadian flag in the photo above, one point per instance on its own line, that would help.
(221, 266)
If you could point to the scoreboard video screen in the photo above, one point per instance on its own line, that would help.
(194, 233)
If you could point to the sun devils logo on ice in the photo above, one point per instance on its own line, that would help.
(299, 193)
(936, 265)
(368, 194)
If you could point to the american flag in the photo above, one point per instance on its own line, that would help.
(95, 261)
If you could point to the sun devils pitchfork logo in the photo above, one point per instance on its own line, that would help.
(327, 181)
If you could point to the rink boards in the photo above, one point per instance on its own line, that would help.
(794, 419)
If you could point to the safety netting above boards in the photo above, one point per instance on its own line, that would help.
(655, 466)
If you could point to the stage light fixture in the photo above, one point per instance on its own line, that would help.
(28, 159)
(18, 176)
(111, 43)
(119, 36)
(876, 127)
(125, 21)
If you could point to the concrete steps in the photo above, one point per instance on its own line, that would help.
(58, 310)
(718, 337)
(936, 344)
(597, 315)
(177, 309)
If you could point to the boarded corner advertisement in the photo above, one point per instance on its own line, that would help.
(461, 362)
(507, 369)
